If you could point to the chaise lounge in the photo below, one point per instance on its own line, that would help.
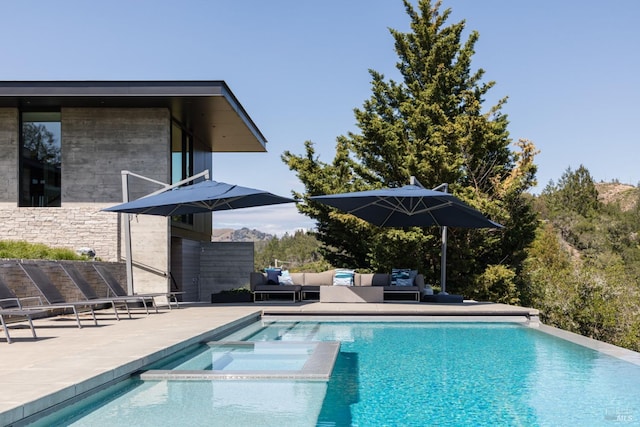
(117, 290)
(53, 297)
(90, 295)
(11, 307)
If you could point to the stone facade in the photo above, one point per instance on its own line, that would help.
(69, 227)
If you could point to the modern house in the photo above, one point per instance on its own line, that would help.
(63, 145)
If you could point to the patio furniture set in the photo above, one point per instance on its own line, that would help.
(363, 287)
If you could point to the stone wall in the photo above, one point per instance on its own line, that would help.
(72, 227)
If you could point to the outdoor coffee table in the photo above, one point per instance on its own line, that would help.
(351, 294)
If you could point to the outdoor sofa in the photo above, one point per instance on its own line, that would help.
(306, 285)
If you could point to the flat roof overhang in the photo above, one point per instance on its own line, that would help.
(208, 108)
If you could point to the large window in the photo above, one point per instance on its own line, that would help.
(181, 153)
(181, 162)
(40, 159)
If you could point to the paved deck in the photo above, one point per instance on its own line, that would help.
(65, 361)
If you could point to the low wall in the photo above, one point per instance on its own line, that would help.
(22, 286)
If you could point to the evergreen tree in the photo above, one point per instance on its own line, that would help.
(575, 192)
(297, 252)
(430, 125)
(550, 277)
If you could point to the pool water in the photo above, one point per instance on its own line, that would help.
(230, 356)
(396, 374)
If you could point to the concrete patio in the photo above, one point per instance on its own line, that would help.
(65, 362)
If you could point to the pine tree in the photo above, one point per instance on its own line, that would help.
(431, 125)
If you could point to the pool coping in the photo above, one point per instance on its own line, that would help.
(599, 346)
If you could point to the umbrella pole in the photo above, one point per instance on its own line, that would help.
(443, 262)
(127, 217)
(127, 234)
(443, 251)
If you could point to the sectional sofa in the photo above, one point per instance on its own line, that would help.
(307, 285)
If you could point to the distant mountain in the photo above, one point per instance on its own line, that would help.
(241, 235)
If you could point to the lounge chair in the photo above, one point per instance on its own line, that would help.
(53, 297)
(11, 306)
(117, 290)
(90, 295)
(28, 314)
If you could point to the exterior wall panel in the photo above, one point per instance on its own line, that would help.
(9, 156)
(98, 143)
(185, 267)
(223, 266)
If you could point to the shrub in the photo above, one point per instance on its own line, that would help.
(24, 250)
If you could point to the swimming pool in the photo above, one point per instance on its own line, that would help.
(395, 373)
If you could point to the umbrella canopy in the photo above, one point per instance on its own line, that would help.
(408, 206)
(205, 196)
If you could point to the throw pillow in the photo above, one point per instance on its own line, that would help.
(403, 276)
(285, 278)
(273, 275)
(343, 277)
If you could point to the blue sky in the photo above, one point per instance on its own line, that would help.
(299, 68)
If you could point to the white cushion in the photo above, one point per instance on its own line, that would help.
(343, 277)
(285, 278)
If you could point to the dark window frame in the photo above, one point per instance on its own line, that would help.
(57, 176)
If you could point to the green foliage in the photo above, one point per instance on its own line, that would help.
(497, 284)
(583, 269)
(299, 252)
(575, 190)
(237, 291)
(24, 250)
(431, 125)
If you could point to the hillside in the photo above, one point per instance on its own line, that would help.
(625, 195)
(241, 235)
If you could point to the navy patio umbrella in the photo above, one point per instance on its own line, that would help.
(205, 196)
(410, 206)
